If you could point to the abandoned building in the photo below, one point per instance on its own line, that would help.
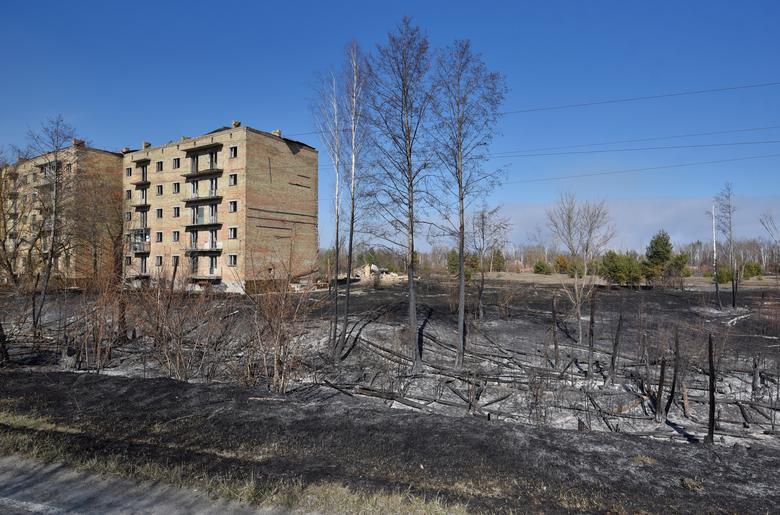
(228, 209)
(61, 208)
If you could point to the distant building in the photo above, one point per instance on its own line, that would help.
(67, 203)
(229, 209)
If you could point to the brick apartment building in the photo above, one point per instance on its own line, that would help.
(230, 208)
(70, 197)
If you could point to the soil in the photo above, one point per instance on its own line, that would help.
(318, 434)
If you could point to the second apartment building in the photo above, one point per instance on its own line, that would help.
(228, 209)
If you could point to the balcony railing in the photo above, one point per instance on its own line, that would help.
(208, 275)
(212, 170)
(209, 247)
(202, 223)
(140, 247)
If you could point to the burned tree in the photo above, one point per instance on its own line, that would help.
(583, 229)
(465, 111)
(488, 233)
(400, 99)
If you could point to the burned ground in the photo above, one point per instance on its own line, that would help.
(318, 435)
(510, 430)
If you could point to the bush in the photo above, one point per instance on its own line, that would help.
(752, 269)
(724, 275)
(541, 267)
(621, 269)
(561, 264)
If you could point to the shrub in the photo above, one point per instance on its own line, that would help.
(541, 267)
(561, 264)
(620, 268)
(752, 269)
(724, 275)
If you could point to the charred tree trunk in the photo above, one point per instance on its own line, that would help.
(711, 422)
(4, 357)
(616, 345)
(660, 393)
(674, 373)
(556, 351)
(591, 324)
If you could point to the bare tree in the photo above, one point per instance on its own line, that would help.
(584, 230)
(47, 146)
(354, 100)
(328, 119)
(725, 209)
(488, 233)
(465, 111)
(400, 98)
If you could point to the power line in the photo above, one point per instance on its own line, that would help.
(647, 97)
(617, 100)
(653, 138)
(637, 170)
(665, 147)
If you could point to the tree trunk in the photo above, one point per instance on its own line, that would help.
(711, 422)
(461, 278)
(414, 340)
(675, 371)
(4, 357)
(616, 345)
(591, 328)
(660, 393)
(555, 332)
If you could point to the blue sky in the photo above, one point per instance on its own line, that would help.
(126, 72)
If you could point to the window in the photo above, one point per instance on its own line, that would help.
(159, 190)
(233, 151)
(158, 237)
(176, 212)
(128, 260)
(158, 260)
(175, 235)
(232, 233)
(128, 216)
(159, 166)
(175, 261)
(232, 259)
(176, 163)
(176, 187)
(232, 206)
(233, 179)
(128, 172)
(128, 194)
(159, 212)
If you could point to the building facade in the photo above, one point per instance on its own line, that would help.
(228, 209)
(61, 208)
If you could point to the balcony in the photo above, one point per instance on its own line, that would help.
(200, 224)
(213, 275)
(142, 183)
(140, 247)
(209, 248)
(211, 171)
(142, 205)
(201, 198)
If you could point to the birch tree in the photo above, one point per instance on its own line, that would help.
(327, 114)
(724, 215)
(465, 110)
(583, 229)
(354, 108)
(400, 99)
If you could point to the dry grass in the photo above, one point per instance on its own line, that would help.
(26, 435)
